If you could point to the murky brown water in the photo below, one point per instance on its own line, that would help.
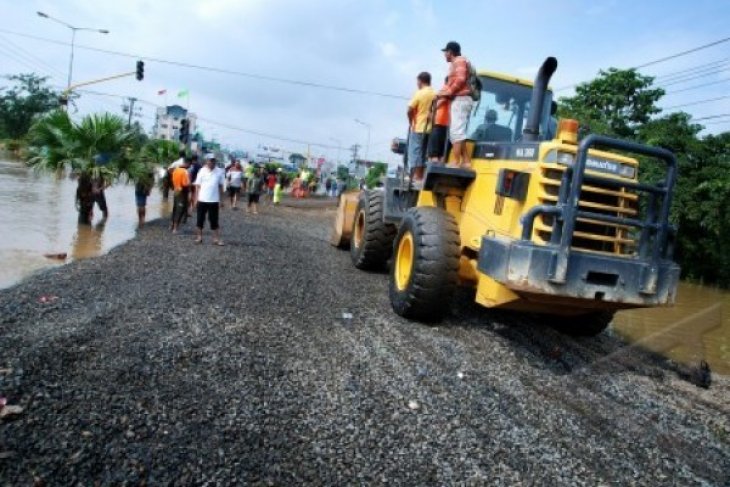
(39, 217)
(697, 328)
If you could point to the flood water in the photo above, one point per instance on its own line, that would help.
(39, 218)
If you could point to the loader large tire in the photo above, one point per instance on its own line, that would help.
(371, 243)
(425, 266)
(586, 325)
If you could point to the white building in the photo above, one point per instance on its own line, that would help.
(167, 123)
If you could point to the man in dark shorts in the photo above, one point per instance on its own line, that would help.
(439, 134)
(208, 198)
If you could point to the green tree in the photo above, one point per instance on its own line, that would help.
(99, 147)
(617, 103)
(343, 173)
(375, 173)
(22, 103)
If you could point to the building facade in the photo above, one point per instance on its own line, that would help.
(167, 122)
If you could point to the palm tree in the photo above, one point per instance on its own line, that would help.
(160, 153)
(99, 147)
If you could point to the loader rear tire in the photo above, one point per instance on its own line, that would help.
(424, 272)
(586, 325)
(371, 243)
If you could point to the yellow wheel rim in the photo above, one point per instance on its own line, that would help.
(404, 261)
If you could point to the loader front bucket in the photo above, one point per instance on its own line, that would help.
(342, 230)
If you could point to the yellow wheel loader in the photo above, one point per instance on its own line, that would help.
(542, 223)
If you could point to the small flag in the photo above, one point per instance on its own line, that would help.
(183, 93)
(162, 92)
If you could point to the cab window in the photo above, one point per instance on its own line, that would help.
(501, 114)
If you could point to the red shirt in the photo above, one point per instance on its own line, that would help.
(271, 181)
(456, 85)
(442, 110)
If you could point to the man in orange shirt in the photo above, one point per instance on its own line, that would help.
(181, 187)
(457, 90)
(440, 130)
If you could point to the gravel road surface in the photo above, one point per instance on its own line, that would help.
(166, 362)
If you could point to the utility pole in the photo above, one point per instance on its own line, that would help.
(355, 148)
(132, 100)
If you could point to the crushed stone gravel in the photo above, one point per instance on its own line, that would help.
(272, 361)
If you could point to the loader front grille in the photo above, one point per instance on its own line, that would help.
(590, 235)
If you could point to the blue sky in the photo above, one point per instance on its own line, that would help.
(376, 45)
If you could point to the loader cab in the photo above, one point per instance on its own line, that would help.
(501, 114)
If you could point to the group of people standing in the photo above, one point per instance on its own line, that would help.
(203, 187)
(449, 109)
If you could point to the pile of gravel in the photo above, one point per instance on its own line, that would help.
(166, 361)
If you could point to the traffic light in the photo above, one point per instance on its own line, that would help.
(140, 70)
(184, 130)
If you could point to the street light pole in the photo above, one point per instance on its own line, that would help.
(73, 40)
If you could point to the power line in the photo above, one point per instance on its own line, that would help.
(710, 117)
(30, 56)
(693, 69)
(692, 78)
(716, 122)
(223, 124)
(21, 60)
(698, 86)
(683, 53)
(698, 102)
(214, 69)
(651, 63)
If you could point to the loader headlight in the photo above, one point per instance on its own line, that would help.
(565, 158)
(627, 171)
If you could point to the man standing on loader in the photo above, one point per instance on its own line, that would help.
(458, 91)
(418, 115)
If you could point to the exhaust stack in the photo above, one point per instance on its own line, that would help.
(531, 132)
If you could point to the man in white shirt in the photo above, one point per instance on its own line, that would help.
(209, 191)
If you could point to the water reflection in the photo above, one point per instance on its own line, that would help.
(88, 240)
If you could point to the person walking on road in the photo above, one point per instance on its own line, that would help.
(192, 176)
(418, 111)
(235, 181)
(457, 90)
(277, 191)
(181, 187)
(208, 198)
(256, 186)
